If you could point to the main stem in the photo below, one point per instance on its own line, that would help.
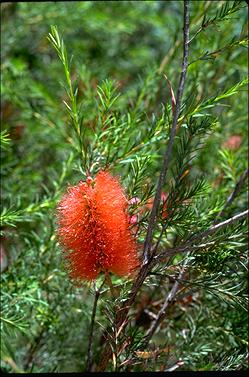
(167, 155)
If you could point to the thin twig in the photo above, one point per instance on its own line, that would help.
(162, 311)
(89, 350)
(178, 364)
(188, 244)
(167, 155)
(220, 225)
(234, 193)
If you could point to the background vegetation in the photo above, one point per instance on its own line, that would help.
(121, 51)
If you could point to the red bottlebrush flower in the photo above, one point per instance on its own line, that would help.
(94, 229)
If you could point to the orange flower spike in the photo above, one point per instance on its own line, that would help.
(94, 229)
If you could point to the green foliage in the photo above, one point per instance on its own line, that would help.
(89, 94)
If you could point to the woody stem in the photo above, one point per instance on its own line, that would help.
(89, 351)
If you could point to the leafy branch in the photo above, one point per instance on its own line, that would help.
(186, 246)
(72, 106)
(213, 54)
(221, 15)
(235, 192)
